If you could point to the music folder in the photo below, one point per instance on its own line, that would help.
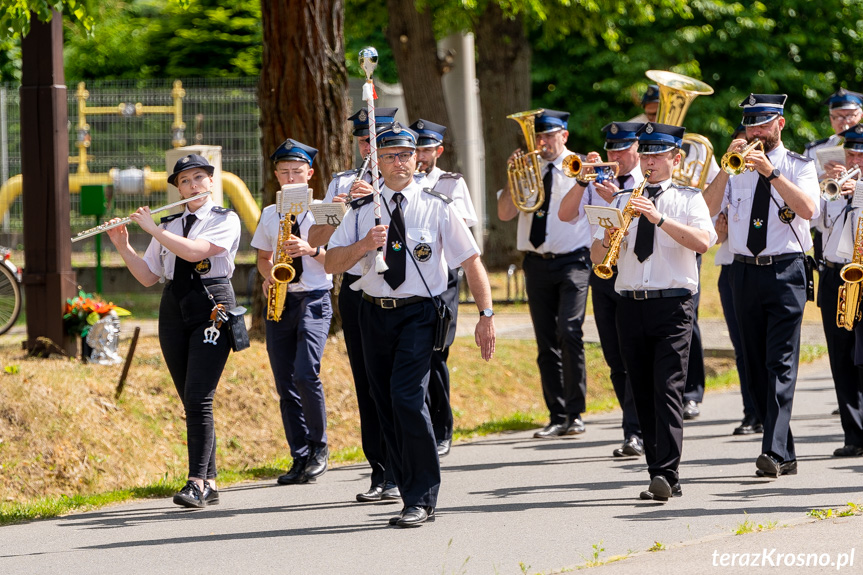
(604, 216)
(330, 214)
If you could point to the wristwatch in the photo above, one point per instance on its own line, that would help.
(487, 312)
(774, 174)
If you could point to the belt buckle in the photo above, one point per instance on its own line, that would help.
(641, 293)
(763, 260)
(388, 303)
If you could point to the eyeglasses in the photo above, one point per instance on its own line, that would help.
(390, 158)
(845, 117)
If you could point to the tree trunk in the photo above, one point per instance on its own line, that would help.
(303, 93)
(411, 38)
(503, 71)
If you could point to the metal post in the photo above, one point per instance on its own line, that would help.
(4, 149)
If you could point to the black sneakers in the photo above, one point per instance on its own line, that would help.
(190, 496)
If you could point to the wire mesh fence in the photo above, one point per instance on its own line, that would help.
(216, 112)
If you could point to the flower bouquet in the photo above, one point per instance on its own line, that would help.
(98, 325)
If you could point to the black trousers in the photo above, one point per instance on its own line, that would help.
(605, 302)
(374, 446)
(195, 366)
(655, 337)
(295, 345)
(695, 377)
(557, 297)
(438, 398)
(398, 369)
(768, 302)
(847, 377)
(725, 298)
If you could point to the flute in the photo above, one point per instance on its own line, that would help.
(123, 221)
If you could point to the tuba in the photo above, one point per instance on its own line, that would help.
(525, 181)
(605, 269)
(848, 308)
(676, 93)
(734, 163)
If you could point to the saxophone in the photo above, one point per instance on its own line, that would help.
(281, 274)
(604, 269)
(848, 308)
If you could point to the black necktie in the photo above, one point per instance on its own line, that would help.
(183, 269)
(540, 217)
(396, 248)
(644, 236)
(757, 239)
(623, 181)
(297, 264)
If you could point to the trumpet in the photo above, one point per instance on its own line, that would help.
(831, 189)
(123, 221)
(734, 163)
(574, 167)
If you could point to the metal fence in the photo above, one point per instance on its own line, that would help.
(218, 112)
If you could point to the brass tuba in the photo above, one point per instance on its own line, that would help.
(848, 310)
(734, 163)
(605, 269)
(676, 93)
(525, 181)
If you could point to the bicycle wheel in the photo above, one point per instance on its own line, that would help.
(10, 299)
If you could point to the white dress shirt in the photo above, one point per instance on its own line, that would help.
(341, 185)
(429, 221)
(740, 191)
(453, 186)
(592, 198)
(220, 229)
(266, 237)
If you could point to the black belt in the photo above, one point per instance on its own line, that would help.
(548, 256)
(830, 264)
(655, 293)
(207, 281)
(765, 260)
(393, 302)
(349, 278)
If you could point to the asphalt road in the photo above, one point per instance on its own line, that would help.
(508, 504)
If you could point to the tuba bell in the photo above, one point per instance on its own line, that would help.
(676, 93)
(523, 173)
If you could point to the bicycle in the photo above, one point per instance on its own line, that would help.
(10, 291)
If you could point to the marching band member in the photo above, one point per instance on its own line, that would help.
(657, 277)
(295, 343)
(768, 232)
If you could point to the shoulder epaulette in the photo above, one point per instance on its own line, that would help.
(450, 176)
(220, 210)
(353, 172)
(360, 202)
(799, 156)
(689, 189)
(816, 143)
(167, 219)
(438, 195)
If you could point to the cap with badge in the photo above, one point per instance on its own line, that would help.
(190, 162)
(551, 121)
(762, 108)
(844, 99)
(853, 138)
(651, 95)
(620, 135)
(656, 138)
(361, 119)
(292, 150)
(429, 134)
(396, 136)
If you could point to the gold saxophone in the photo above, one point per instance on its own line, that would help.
(604, 269)
(282, 273)
(848, 308)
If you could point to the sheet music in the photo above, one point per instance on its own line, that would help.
(330, 214)
(830, 154)
(604, 216)
(857, 202)
(293, 199)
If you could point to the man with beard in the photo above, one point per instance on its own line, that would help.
(769, 209)
(556, 271)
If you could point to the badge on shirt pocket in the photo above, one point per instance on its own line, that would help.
(203, 267)
(422, 252)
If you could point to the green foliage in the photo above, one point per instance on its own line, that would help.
(365, 25)
(15, 14)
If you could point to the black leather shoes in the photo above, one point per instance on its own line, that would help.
(748, 426)
(296, 473)
(414, 516)
(210, 495)
(575, 427)
(372, 495)
(391, 492)
(691, 410)
(848, 451)
(551, 430)
(769, 466)
(648, 495)
(190, 496)
(443, 447)
(317, 464)
(632, 447)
